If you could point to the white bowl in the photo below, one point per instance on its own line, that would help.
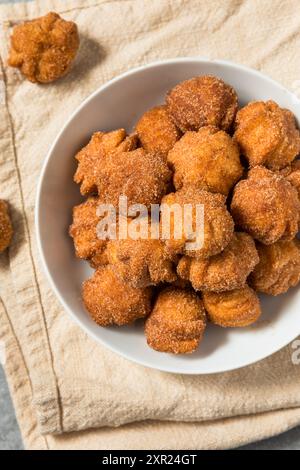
(119, 103)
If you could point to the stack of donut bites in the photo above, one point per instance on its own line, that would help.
(198, 148)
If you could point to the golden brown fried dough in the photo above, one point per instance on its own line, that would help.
(156, 131)
(142, 262)
(110, 301)
(267, 135)
(207, 159)
(143, 177)
(128, 144)
(91, 156)
(177, 322)
(202, 101)
(226, 266)
(236, 308)
(292, 174)
(84, 232)
(218, 223)
(181, 284)
(266, 206)
(44, 48)
(226, 271)
(278, 268)
(6, 230)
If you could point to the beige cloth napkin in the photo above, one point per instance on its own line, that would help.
(60, 380)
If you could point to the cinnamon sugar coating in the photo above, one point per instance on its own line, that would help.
(292, 174)
(236, 308)
(44, 48)
(202, 101)
(156, 131)
(110, 301)
(141, 262)
(84, 233)
(267, 134)
(176, 323)
(90, 158)
(143, 177)
(207, 159)
(278, 268)
(218, 224)
(226, 271)
(266, 206)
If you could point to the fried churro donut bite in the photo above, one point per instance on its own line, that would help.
(84, 232)
(207, 159)
(226, 271)
(44, 48)
(110, 301)
(202, 101)
(143, 177)
(141, 262)
(90, 157)
(236, 308)
(266, 206)
(267, 135)
(177, 322)
(292, 174)
(278, 268)
(156, 131)
(218, 224)
(6, 230)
